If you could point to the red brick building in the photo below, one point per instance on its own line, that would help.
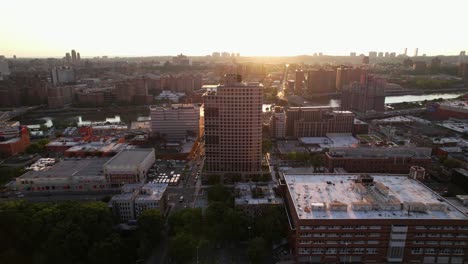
(353, 218)
(15, 145)
(377, 160)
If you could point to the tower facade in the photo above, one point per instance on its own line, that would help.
(233, 127)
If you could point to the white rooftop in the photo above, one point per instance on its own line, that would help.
(338, 196)
(332, 140)
(395, 119)
(152, 192)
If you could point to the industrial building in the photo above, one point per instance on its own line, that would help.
(362, 218)
(377, 159)
(129, 166)
(67, 175)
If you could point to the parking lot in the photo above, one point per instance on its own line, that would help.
(171, 172)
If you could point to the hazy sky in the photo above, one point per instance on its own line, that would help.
(251, 27)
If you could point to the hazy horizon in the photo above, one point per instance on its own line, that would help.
(50, 28)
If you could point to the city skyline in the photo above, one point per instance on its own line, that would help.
(154, 28)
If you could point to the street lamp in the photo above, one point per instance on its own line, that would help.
(198, 246)
(249, 230)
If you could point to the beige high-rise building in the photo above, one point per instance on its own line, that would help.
(233, 127)
(175, 122)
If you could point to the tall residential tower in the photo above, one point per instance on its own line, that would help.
(233, 127)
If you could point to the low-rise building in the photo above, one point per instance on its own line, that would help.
(361, 218)
(136, 198)
(378, 160)
(15, 145)
(254, 199)
(129, 166)
(67, 175)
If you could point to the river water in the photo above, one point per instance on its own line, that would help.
(390, 99)
(127, 118)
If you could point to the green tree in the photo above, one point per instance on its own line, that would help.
(214, 179)
(182, 248)
(66, 232)
(451, 163)
(257, 250)
(219, 193)
(150, 224)
(188, 220)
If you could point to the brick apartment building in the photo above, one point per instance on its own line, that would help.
(314, 121)
(363, 96)
(359, 218)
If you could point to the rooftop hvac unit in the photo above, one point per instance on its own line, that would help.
(436, 206)
(317, 206)
(338, 206)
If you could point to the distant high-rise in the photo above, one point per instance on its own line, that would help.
(461, 59)
(408, 62)
(416, 52)
(78, 57)
(372, 54)
(380, 54)
(463, 70)
(317, 121)
(320, 81)
(392, 55)
(73, 54)
(406, 51)
(61, 75)
(367, 95)
(299, 83)
(352, 54)
(419, 67)
(365, 60)
(232, 121)
(67, 58)
(347, 75)
(435, 64)
(4, 69)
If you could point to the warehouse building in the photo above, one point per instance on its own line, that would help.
(68, 175)
(129, 166)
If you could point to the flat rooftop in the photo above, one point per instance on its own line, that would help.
(395, 119)
(244, 195)
(152, 192)
(332, 140)
(130, 157)
(70, 168)
(342, 196)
